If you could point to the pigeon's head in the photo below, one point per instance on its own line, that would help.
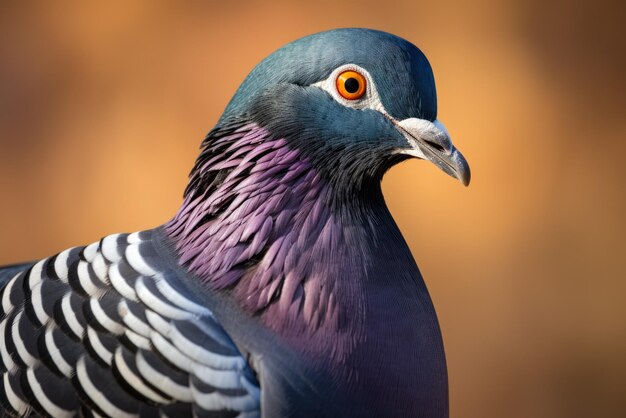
(354, 101)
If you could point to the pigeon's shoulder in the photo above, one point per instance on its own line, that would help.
(9, 271)
(112, 328)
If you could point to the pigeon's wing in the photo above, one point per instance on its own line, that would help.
(102, 330)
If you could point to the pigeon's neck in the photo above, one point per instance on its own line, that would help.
(258, 225)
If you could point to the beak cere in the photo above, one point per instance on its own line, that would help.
(431, 141)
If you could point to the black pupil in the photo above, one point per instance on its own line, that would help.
(352, 85)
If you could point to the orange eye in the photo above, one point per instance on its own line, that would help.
(351, 85)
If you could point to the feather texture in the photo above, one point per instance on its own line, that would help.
(101, 329)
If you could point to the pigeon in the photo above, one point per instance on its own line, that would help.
(282, 287)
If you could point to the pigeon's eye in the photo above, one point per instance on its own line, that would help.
(351, 85)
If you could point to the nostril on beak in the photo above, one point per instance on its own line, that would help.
(436, 146)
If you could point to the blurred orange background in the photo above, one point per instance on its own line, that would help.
(103, 107)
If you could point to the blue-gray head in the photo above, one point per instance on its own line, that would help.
(355, 101)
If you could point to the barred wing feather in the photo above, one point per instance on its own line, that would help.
(100, 331)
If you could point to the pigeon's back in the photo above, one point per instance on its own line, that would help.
(110, 330)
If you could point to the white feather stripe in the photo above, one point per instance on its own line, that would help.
(70, 317)
(95, 395)
(55, 354)
(100, 268)
(7, 306)
(109, 248)
(164, 383)
(120, 284)
(215, 331)
(26, 357)
(136, 261)
(158, 305)
(37, 302)
(50, 407)
(15, 401)
(223, 379)
(202, 355)
(171, 353)
(252, 388)
(35, 273)
(103, 319)
(215, 401)
(135, 381)
(132, 321)
(60, 264)
(158, 323)
(134, 238)
(7, 360)
(98, 347)
(86, 281)
(90, 251)
(138, 340)
(179, 300)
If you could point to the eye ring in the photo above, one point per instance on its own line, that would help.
(351, 85)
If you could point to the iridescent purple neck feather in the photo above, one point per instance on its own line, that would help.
(256, 222)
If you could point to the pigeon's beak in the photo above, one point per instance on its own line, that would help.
(431, 141)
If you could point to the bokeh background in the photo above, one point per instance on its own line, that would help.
(103, 107)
